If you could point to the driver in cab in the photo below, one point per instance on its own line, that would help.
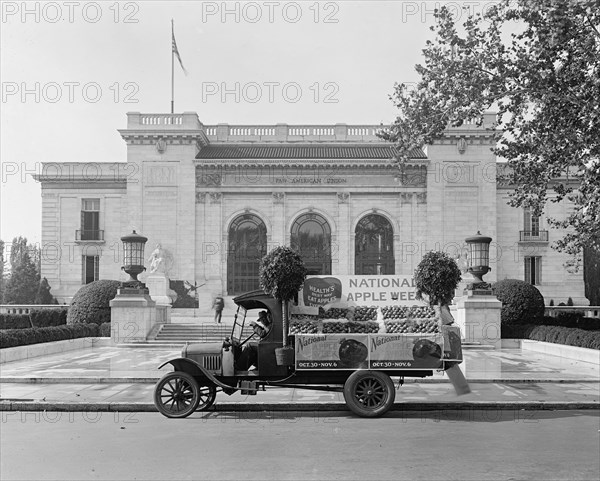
(261, 327)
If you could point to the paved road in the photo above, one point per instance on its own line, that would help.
(438, 445)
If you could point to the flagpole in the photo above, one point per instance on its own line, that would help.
(172, 70)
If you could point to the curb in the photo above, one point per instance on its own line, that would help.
(154, 380)
(300, 407)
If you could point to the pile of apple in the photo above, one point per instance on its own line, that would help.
(333, 313)
(404, 312)
(418, 325)
(335, 326)
(304, 326)
(360, 319)
(303, 317)
(365, 313)
(365, 327)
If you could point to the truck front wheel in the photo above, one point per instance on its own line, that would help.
(177, 395)
(369, 393)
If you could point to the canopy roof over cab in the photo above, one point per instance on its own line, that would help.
(259, 300)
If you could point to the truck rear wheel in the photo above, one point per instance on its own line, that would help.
(177, 395)
(369, 393)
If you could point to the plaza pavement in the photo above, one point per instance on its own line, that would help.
(123, 378)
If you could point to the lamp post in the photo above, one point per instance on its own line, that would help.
(479, 256)
(133, 259)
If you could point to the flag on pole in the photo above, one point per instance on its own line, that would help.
(174, 48)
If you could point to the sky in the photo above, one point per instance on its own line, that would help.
(70, 71)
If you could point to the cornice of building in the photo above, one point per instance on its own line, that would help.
(102, 174)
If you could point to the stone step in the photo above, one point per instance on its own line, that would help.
(185, 336)
(183, 341)
(195, 319)
(193, 333)
(182, 333)
(195, 328)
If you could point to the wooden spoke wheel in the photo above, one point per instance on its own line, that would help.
(369, 393)
(207, 395)
(177, 395)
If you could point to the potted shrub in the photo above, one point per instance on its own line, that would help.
(437, 277)
(282, 273)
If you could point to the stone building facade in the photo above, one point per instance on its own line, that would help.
(217, 197)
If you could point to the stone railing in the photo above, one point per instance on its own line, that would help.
(285, 132)
(27, 308)
(275, 133)
(184, 121)
(589, 311)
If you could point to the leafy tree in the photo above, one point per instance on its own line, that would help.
(543, 79)
(591, 274)
(281, 275)
(24, 279)
(43, 295)
(2, 272)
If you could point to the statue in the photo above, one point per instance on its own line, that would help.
(157, 260)
(157, 280)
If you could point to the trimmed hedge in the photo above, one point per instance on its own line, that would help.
(522, 303)
(557, 334)
(104, 329)
(49, 317)
(90, 304)
(571, 320)
(23, 337)
(14, 321)
(39, 318)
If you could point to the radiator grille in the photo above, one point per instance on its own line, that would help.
(212, 363)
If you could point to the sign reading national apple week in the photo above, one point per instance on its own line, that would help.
(359, 291)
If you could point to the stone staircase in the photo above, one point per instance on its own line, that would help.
(181, 333)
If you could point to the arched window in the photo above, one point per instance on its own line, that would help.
(247, 246)
(374, 246)
(311, 237)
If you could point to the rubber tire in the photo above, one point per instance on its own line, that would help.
(181, 383)
(369, 404)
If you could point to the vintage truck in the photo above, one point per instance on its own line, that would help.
(332, 357)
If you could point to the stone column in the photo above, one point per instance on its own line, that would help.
(278, 221)
(344, 250)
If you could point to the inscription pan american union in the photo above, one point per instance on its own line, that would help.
(211, 179)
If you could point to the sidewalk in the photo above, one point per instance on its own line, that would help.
(122, 379)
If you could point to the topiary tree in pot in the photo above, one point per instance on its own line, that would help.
(90, 303)
(522, 303)
(281, 274)
(437, 276)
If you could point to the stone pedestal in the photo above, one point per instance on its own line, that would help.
(478, 317)
(133, 315)
(158, 285)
